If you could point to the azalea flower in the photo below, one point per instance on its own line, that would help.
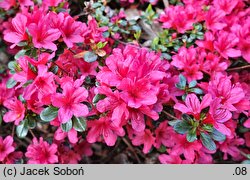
(17, 32)
(72, 135)
(146, 138)
(103, 129)
(225, 44)
(70, 101)
(43, 36)
(6, 147)
(41, 152)
(16, 111)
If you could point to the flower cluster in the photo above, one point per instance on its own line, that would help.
(79, 83)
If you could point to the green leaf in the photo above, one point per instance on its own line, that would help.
(208, 142)
(183, 81)
(66, 127)
(31, 122)
(207, 127)
(101, 45)
(172, 123)
(12, 65)
(79, 124)
(187, 118)
(196, 90)
(90, 57)
(49, 114)
(192, 84)
(245, 162)
(20, 54)
(11, 83)
(97, 98)
(217, 135)
(1, 118)
(191, 136)
(182, 127)
(22, 129)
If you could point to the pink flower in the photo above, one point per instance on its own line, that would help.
(214, 19)
(70, 101)
(164, 135)
(230, 94)
(41, 152)
(52, 2)
(16, 110)
(43, 84)
(177, 17)
(186, 148)
(71, 30)
(247, 138)
(43, 35)
(172, 158)
(137, 93)
(193, 105)
(230, 146)
(7, 4)
(188, 60)
(17, 33)
(113, 103)
(6, 147)
(225, 44)
(103, 129)
(225, 5)
(68, 156)
(5, 93)
(146, 138)
(72, 135)
(220, 116)
(247, 123)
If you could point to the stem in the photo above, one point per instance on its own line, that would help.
(170, 115)
(239, 68)
(13, 131)
(132, 149)
(31, 132)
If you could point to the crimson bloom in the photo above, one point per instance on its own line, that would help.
(6, 147)
(41, 152)
(103, 128)
(17, 32)
(16, 110)
(70, 102)
(43, 35)
(146, 138)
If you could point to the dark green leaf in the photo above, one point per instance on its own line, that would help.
(245, 162)
(31, 122)
(12, 65)
(182, 127)
(183, 81)
(22, 129)
(90, 57)
(97, 98)
(218, 136)
(11, 83)
(79, 124)
(66, 127)
(192, 84)
(172, 123)
(207, 127)
(196, 90)
(187, 118)
(208, 142)
(49, 114)
(191, 136)
(20, 54)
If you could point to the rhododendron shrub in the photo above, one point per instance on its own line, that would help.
(124, 81)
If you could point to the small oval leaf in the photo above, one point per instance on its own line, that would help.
(66, 127)
(49, 114)
(79, 124)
